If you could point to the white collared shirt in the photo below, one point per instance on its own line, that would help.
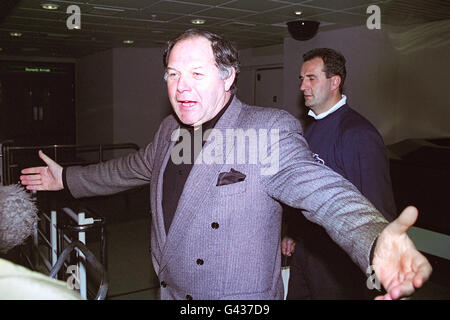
(329, 111)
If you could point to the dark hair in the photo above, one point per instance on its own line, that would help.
(333, 61)
(225, 53)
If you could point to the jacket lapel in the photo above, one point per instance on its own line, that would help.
(159, 167)
(201, 179)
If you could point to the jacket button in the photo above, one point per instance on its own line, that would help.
(215, 225)
(200, 262)
(188, 297)
(163, 284)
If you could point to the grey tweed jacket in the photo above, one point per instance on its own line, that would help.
(224, 241)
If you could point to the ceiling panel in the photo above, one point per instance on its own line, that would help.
(340, 4)
(186, 20)
(277, 30)
(224, 13)
(289, 11)
(175, 7)
(206, 2)
(136, 4)
(149, 15)
(295, 1)
(250, 23)
(39, 13)
(255, 6)
(267, 18)
(341, 18)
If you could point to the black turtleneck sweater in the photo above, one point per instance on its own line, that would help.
(175, 175)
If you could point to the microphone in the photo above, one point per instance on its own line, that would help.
(18, 220)
(18, 216)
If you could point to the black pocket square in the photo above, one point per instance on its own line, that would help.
(231, 177)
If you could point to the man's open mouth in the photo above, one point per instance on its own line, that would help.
(186, 104)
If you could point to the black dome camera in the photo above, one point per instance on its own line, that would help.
(303, 30)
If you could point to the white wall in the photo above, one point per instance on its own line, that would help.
(398, 79)
(371, 85)
(121, 96)
(94, 99)
(251, 60)
(424, 91)
(140, 94)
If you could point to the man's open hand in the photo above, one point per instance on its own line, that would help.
(399, 266)
(43, 178)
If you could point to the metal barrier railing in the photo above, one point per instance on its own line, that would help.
(62, 227)
(60, 233)
(77, 245)
(9, 150)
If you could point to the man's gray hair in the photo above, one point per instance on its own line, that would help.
(225, 54)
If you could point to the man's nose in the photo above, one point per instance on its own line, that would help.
(183, 84)
(303, 85)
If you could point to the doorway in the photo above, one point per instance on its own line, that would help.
(37, 104)
(269, 87)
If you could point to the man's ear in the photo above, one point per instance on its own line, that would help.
(230, 79)
(335, 82)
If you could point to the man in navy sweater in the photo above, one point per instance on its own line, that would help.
(348, 143)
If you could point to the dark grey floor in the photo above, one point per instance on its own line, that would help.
(132, 276)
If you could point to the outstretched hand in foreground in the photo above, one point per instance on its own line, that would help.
(47, 178)
(399, 266)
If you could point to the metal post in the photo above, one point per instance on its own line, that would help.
(82, 267)
(103, 246)
(53, 236)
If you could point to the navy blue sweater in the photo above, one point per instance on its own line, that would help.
(351, 146)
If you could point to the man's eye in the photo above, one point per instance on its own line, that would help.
(198, 75)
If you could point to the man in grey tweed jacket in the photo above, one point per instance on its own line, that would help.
(224, 239)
